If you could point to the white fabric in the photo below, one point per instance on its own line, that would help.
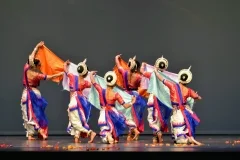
(28, 124)
(74, 119)
(178, 119)
(108, 128)
(154, 124)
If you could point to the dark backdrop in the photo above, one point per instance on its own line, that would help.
(201, 33)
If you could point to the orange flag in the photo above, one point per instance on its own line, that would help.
(119, 75)
(50, 63)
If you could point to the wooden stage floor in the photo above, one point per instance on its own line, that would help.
(212, 143)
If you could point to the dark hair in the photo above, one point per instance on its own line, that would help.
(136, 67)
(162, 65)
(109, 78)
(35, 61)
(184, 77)
(80, 70)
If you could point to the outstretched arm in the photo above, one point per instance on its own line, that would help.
(121, 101)
(194, 94)
(54, 75)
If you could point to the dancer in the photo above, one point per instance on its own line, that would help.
(112, 123)
(132, 80)
(158, 112)
(32, 103)
(79, 108)
(183, 121)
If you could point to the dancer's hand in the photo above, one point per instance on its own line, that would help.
(133, 99)
(93, 72)
(118, 56)
(199, 97)
(40, 44)
(67, 62)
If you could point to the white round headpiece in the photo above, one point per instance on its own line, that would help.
(161, 63)
(82, 68)
(110, 78)
(185, 76)
(131, 62)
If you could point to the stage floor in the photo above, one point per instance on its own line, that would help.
(65, 143)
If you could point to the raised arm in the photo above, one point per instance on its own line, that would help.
(33, 54)
(97, 86)
(66, 66)
(92, 79)
(158, 75)
(142, 67)
(120, 68)
(143, 72)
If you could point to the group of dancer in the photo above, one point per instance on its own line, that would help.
(121, 96)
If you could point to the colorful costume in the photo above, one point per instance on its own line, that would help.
(184, 120)
(111, 122)
(131, 85)
(79, 108)
(158, 112)
(32, 103)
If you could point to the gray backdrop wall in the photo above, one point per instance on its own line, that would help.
(201, 33)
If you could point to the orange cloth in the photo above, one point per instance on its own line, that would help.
(119, 75)
(50, 63)
(143, 92)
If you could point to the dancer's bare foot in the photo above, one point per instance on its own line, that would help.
(160, 139)
(110, 139)
(92, 136)
(116, 140)
(129, 136)
(136, 134)
(31, 138)
(192, 140)
(155, 139)
(43, 134)
(76, 140)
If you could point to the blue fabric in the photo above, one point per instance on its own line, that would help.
(139, 105)
(38, 106)
(87, 106)
(118, 122)
(164, 111)
(192, 122)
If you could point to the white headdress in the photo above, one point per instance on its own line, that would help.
(131, 62)
(82, 68)
(110, 78)
(161, 63)
(185, 76)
